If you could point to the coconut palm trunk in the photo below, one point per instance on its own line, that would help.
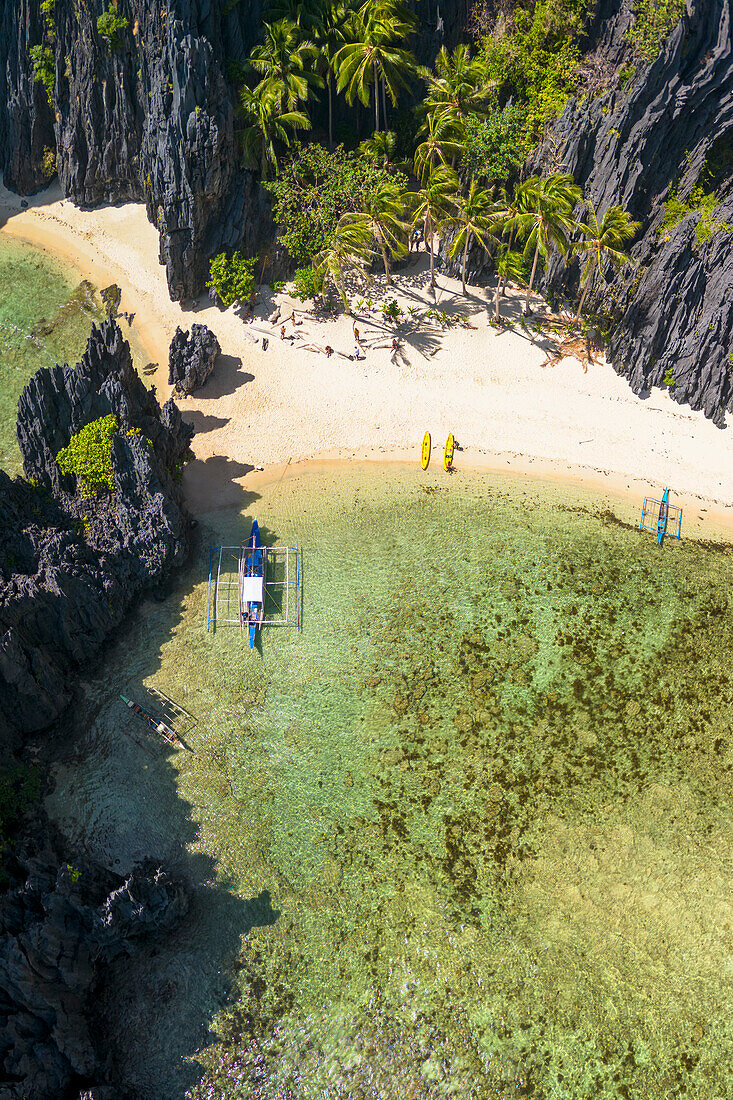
(465, 260)
(588, 280)
(505, 277)
(330, 111)
(531, 278)
(384, 104)
(496, 299)
(428, 232)
(376, 99)
(385, 261)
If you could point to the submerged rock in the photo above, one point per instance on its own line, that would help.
(70, 567)
(191, 358)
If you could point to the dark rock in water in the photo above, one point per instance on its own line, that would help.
(672, 125)
(70, 567)
(111, 298)
(191, 358)
(60, 926)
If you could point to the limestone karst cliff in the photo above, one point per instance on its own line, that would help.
(150, 119)
(70, 567)
(670, 127)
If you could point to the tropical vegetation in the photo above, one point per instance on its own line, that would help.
(88, 456)
(450, 169)
(232, 277)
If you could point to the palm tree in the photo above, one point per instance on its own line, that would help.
(306, 14)
(442, 140)
(546, 223)
(285, 61)
(603, 243)
(433, 204)
(476, 217)
(509, 265)
(266, 124)
(385, 209)
(521, 203)
(371, 56)
(350, 250)
(460, 85)
(382, 146)
(329, 36)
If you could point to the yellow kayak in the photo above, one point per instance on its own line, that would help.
(448, 453)
(425, 453)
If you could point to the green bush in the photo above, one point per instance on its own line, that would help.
(110, 25)
(313, 188)
(307, 284)
(232, 277)
(44, 68)
(654, 21)
(495, 146)
(535, 61)
(698, 202)
(89, 456)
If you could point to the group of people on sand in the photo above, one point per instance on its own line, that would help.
(327, 350)
(275, 319)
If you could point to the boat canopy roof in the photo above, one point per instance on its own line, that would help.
(252, 589)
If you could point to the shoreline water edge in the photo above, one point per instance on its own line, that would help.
(507, 408)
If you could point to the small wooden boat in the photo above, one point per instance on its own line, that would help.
(663, 513)
(252, 583)
(425, 453)
(166, 731)
(448, 453)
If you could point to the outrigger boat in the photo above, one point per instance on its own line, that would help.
(253, 564)
(661, 518)
(166, 732)
(663, 513)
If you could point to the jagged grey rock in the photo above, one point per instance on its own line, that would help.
(674, 312)
(151, 120)
(70, 568)
(191, 358)
(60, 925)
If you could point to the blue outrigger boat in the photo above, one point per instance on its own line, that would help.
(661, 518)
(252, 583)
(663, 512)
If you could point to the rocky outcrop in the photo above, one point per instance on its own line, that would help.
(191, 358)
(671, 126)
(61, 924)
(150, 118)
(70, 567)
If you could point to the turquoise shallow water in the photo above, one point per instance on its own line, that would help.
(469, 834)
(45, 314)
(46, 311)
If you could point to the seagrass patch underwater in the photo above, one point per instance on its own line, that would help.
(469, 834)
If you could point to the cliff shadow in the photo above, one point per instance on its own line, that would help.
(202, 422)
(123, 795)
(214, 482)
(227, 378)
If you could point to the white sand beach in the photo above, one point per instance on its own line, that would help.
(493, 388)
